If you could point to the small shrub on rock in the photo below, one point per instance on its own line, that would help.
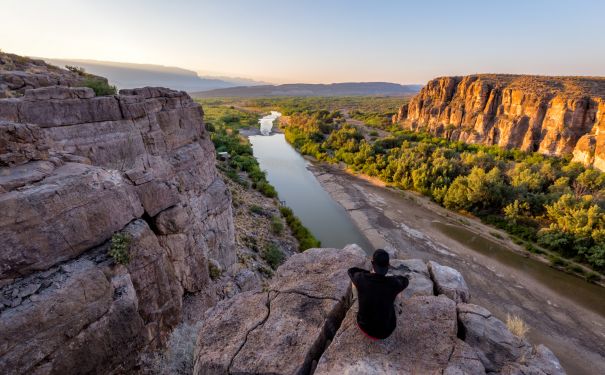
(277, 227)
(516, 325)
(257, 210)
(214, 270)
(305, 238)
(119, 249)
(273, 255)
(99, 86)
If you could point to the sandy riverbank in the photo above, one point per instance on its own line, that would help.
(405, 224)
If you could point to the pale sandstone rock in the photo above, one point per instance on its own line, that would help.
(72, 210)
(494, 344)
(158, 290)
(545, 114)
(464, 361)
(541, 361)
(422, 342)
(25, 174)
(292, 321)
(417, 273)
(449, 281)
(33, 330)
(277, 330)
(20, 143)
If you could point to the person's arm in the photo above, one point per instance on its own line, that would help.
(403, 281)
(354, 273)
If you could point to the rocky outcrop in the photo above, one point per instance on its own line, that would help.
(75, 169)
(304, 322)
(550, 115)
(284, 329)
(19, 74)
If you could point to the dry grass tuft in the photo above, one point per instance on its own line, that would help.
(516, 325)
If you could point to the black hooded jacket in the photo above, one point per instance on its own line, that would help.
(376, 294)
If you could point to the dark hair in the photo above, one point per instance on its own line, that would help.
(380, 262)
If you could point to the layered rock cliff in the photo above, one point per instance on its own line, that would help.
(550, 115)
(76, 169)
(304, 322)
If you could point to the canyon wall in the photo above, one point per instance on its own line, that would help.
(75, 169)
(550, 115)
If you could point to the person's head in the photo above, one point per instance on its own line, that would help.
(380, 262)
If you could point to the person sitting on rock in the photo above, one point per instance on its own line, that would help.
(376, 294)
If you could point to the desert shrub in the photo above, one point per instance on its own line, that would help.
(257, 210)
(592, 277)
(99, 86)
(277, 226)
(210, 127)
(214, 271)
(119, 248)
(516, 325)
(305, 238)
(496, 234)
(177, 358)
(266, 189)
(272, 255)
(76, 69)
(557, 261)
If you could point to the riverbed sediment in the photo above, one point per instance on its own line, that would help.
(404, 223)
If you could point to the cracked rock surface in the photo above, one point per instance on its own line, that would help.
(304, 322)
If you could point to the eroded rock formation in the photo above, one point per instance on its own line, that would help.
(551, 115)
(304, 322)
(74, 170)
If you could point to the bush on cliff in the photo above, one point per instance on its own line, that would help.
(99, 86)
(273, 255)
(305, 238)
(119, 248)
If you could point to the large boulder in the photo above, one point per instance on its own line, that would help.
(285, 329)
(288, 328)
(422, 342)
(57, 322)
(541, 361)
(417, 273)
(495, 345)
(449, 281)
(74, 209)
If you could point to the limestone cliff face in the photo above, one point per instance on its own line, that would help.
(551, 115)
(74, 170)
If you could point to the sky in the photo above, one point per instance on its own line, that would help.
(317, 41)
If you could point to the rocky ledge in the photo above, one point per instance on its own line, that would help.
(304, 322)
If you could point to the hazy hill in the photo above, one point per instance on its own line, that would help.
(128, 75)
(305, 89)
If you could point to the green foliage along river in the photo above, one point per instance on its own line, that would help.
(553, 202)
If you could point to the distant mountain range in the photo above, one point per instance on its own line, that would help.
(128, 75)
(306, 89)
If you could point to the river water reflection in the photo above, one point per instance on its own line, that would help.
(297, 186)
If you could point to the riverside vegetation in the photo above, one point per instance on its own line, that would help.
(550, 205)
(224, 124)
